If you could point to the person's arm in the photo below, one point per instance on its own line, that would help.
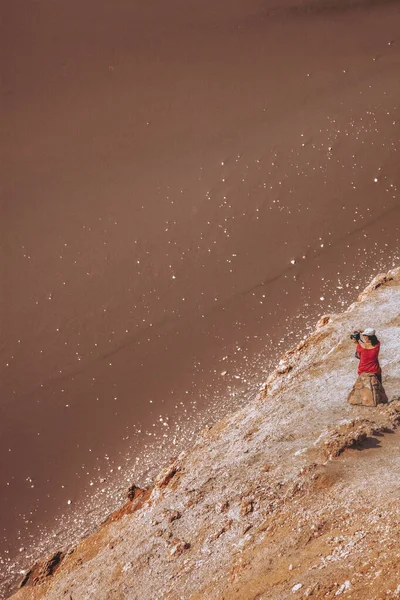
(358, 350)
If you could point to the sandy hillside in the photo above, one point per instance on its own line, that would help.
(295, 495)
(187, 185)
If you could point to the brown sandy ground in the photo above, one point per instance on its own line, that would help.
(294, 496)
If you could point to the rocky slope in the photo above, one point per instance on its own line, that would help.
(294, 496)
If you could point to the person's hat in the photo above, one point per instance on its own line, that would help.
(368, 331)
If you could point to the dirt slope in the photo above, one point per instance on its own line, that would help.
(294, 496)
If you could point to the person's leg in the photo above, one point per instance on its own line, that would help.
(379, 376)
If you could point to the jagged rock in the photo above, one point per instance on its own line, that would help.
(173, 515)
(213, 537)
(166, 475)
(377, 282)
(132, 491)
(324, 320)
(166, 534)
(347, 435)
(136, 498)
(284, 367)
(222, 507)
(246, 507)
(266, 468)
(42, 570)
(25, 578)
(179, 547)
(246, 528)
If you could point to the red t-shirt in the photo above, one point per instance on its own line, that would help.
(369, 362)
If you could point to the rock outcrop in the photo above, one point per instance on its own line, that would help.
(294, 496)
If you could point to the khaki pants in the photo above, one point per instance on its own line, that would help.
(367, 391)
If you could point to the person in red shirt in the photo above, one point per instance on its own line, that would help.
(367, 351)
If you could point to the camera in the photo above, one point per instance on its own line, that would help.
(355, 336)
